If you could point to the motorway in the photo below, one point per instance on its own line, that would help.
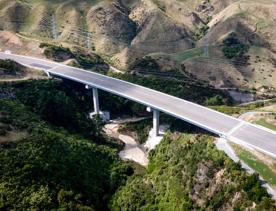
(221, 124)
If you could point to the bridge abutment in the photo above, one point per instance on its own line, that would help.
(47, 73)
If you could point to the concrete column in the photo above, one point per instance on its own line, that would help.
(96, 101)
(47, 73)
(156, 115)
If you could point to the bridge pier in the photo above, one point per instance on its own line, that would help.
(104, 115)
(96, 101)
(47, 73)
(156, 116)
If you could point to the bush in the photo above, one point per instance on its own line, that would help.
(84, 60)
(57, 53)
(201, 31)
(235, 51)
(233, 48)
(3, 131)
(91, 61)
(146, 63)
(216, 100)
(10, 67)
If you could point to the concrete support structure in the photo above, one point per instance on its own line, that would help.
(47, 73)
(96, 101)
(156, 115)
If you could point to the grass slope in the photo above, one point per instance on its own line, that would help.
(267, 172)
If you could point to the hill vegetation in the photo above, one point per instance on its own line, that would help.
(77, 57)
(11, 68)
(58, 158)
(52, 156)
(186, 172)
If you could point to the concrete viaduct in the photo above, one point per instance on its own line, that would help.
(223, 125)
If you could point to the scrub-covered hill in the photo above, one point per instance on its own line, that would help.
(187, 172)
(48, 168)
(53, 156)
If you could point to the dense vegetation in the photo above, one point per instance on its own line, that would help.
(90, 61)
(233, 47)
(202, 95)
(10, 67)
(145, 63)
(200, 31)
(57, 103)
(57, 53)
(63, 161)
(188, 173)
(60, 161)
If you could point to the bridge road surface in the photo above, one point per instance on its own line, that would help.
(221, 124)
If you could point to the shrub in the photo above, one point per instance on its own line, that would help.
(57, 53)
(233, 47)
(3, 132)
(10, 67)
(216, 100)
(146, 63)
(201, 31)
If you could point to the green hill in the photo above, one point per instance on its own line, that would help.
(48, 161)
(53, 157)
(187, 172)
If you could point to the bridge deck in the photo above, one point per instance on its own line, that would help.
(198, 115)
(213, 121)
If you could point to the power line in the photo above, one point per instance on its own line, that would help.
(86, 37)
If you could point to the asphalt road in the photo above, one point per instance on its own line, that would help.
(213, 121)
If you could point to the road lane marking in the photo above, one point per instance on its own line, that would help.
(45, 67)
(235, 128)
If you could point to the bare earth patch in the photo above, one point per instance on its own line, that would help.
(13, 136)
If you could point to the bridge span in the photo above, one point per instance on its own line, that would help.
(213, 121)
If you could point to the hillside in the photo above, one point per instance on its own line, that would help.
(186, 172)
(51, 155)
(170, 32)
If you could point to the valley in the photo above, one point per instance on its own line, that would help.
(50, 115)
(58, 153)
